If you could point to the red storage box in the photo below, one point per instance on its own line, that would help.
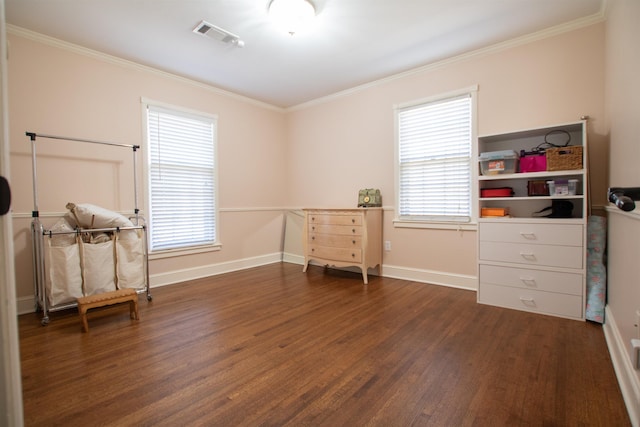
(496, 192)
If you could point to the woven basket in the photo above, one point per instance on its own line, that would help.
(564, 158)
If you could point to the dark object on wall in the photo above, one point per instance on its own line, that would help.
(369, 197)
(623, 197)
(558, 209)
(5, 196)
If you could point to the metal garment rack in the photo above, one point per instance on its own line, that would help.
(38, 232)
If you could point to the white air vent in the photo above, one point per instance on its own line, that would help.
(206, 29)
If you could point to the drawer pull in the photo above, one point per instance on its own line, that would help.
(528, 256)
(528, 236)
(528, 301)
(313, 218)
(529, 281)
(353, 230)
(313, 237)
(313, 228)
(353, 220)
(353, 241)
(353, 255)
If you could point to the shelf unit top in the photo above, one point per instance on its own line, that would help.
(532, 132)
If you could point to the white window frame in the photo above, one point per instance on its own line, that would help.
(469, 223)
(180, 111)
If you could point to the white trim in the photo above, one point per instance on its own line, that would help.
(11, 404)
(178, 109)
(458, 226)
(438, 97)
(626, 375)
(179, 276)
(292, 258)
(61, 44)
(41, 214)
(173, 109)
(634, 214)
(26, 304)
(448, 223)
(459, 281)
(192, 250)
(498, 47)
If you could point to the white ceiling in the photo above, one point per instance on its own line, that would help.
(352, 42)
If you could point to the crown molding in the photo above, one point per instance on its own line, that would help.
(498, 47)
(80, 50)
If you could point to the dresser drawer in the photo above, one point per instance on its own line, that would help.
(335, 240)
(531, 300)
(541, 280)
(345, 230)
(545, 234)
(336, 254)
(543, 255)
(335, 218)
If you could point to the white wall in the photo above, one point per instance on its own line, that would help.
(623, 117)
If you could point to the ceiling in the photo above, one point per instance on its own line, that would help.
(351, 42)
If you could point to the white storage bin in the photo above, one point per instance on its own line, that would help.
(563, 187)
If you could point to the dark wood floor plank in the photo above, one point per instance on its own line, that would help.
(272, 346)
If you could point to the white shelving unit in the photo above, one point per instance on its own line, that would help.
(526, 262)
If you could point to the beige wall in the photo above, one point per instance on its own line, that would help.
(344, 143)
(65, 91)
(315, 155)
(623, 119)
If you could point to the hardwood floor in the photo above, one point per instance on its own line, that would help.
(272, 346)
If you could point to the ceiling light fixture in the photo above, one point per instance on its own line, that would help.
(292, 15)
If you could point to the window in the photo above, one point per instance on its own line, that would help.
(434, 151)
(182, 175)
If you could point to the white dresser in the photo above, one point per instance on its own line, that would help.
(526, 262)
(533, 266)
(343, 238)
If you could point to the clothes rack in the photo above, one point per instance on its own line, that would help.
(42, 299)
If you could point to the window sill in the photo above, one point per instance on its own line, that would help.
(171, 253)
(458, 226)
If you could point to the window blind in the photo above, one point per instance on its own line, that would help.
(182, 173)
(434, 154)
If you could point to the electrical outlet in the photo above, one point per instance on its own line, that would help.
(387, 245)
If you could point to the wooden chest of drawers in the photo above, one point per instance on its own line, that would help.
(532, 266)
(343, 238)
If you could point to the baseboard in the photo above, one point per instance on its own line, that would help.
(412, 274)
(432, 277)
(292, 258)
(27, 304)
(627, 378)
(177, 276)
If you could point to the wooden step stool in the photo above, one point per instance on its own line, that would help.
(107, 298)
